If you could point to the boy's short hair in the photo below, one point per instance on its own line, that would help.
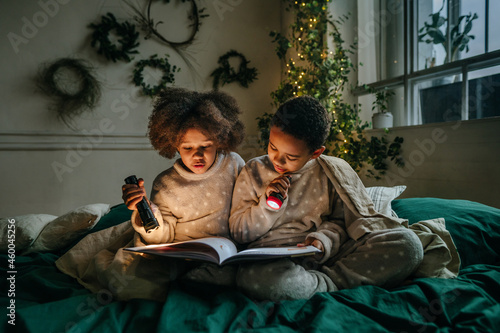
(176, 110)
(304, 118)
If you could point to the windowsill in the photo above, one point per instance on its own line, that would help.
(442, 124)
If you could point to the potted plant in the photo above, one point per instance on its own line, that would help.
(382, 118)
(457, 40)
(311, 68)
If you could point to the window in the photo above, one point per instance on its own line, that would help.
(441, 58)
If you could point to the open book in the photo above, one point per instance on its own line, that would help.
(220, 250)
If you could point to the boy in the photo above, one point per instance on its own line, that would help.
(325, 205)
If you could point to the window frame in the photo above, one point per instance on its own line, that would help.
(412, 75)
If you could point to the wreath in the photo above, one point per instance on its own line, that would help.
(73, 86)
(154, 62)
(127, 38)
(225, 74)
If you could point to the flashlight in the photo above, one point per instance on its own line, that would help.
(275, 199)
(148, 219)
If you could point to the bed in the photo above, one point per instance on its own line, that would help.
(39, 298)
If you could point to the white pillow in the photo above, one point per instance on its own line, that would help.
(26, 228)
(382, 197)
(65, 229)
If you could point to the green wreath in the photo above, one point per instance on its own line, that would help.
(127, 38)
(69, 104)
(154, 62)
(225, 74)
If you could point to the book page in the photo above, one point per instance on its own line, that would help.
(272, 253)
(212, 249)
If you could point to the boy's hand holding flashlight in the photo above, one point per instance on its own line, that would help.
(277, 191)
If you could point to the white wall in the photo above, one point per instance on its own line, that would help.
(453, 160)
(49, 168)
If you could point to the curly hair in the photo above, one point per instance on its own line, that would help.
(304, 118)
(175, 110)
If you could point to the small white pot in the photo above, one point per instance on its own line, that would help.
(382, 120)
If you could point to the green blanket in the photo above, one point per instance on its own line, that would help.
(49, 301)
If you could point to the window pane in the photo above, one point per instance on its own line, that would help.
(494, 25)
(380, 39)
(440, 100)
(484, 93)
(396, 106)
(432, 16)
(464, 41)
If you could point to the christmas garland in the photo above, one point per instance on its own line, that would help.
(225, 74)
(127, 38)
(70, 104)
(154, 62)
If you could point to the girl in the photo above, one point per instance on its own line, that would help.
(191, 199)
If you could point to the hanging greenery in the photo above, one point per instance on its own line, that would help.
(158, 63)
(312, 69)
(72, 85)
(225, 74)
(127, 38)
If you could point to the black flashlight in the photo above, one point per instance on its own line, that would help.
(148, 219)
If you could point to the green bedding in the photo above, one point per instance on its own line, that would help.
(49, 301)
